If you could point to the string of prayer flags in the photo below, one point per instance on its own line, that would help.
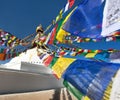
(77, 39)
(7, 39)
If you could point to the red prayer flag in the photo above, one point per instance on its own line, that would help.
(52, 35)
(71, 2)
(48, 60)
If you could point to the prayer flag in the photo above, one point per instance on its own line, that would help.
(61, 64)
(82, 20)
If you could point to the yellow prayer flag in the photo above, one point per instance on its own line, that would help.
(61, 35)
(91, 55)
(97, 51)
(9, 41)
(86, 98)
(60, 15)
(61, 65)
(87, 39)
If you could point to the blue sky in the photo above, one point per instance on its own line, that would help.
(20, 17)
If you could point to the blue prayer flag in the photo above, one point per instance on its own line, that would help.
(86, 20)
(91, 78)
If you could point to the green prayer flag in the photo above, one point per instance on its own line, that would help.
(73, 90)
(1, 50)
(53, 62)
